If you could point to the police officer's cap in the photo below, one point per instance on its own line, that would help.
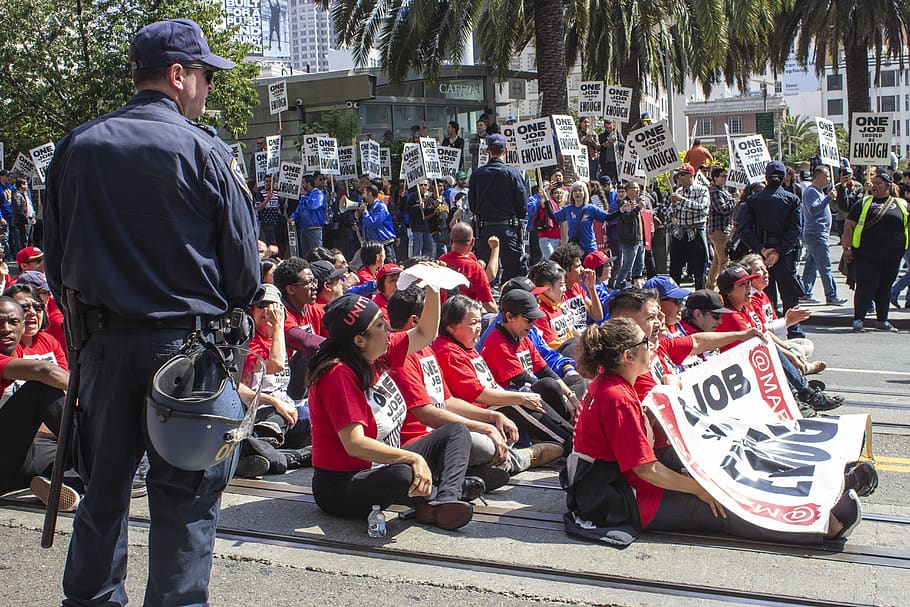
(164, 43)
(776, 168)
(496, 142)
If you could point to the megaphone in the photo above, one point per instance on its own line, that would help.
(345, 204)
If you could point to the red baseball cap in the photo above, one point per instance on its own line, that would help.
(29, 254)
(686, 168)
(595, 259)
(388, 268)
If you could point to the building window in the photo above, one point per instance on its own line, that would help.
(705, 126)
(835, 82)
(736, 124)
(835, 107)
(778, 87)
(888, 103)
(896, 128)
(888, 78)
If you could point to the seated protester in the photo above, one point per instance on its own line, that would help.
(555, 326)
(320, 253)
(462, 260)
(802, 347)
(54, 315)
(303, 329)
(431, 405)
(280, 420)
(386, 284)
(702, 313)
(266, 269)
(375, 221)
(36, 342)
(602, 265)
(561, 364)
(329, 281)
(356, 412)
(372, 256)
(32, 396)
(671, 297)
(576, 303)
(734, 284)
(515, 364)
(613, 446)
(580, 215)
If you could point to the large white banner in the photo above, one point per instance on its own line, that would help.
(273, 153)
(244, 15)
(534, 139)
(655, 148)
(449, 160)
(870, 139)
(591, 99)
(41, 157)
(412, 168)
(290, 177)
(274, 18)
(752, 156)
(370, 162)
(432, 169)
(347, 164)
(328, 156)
(827, 142)
(278, 97)
(566, 135)
(735, 426)
(617, 101)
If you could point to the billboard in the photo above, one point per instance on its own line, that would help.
(263, 24)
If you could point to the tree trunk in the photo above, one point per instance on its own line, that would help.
(550, 45)
(630, 76)
(857, 74)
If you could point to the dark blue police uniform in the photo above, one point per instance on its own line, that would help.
(497, 197)
(149, 220)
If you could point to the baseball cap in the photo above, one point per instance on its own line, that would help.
(523, 283)
(606, 179)
(511, 119)
(645, 115)
(845, 171)
(775, 167)
(33, 279)
(29, 254)
(4, 173)
(496, 141)
(595, 259)
(386, 269)
(325, 271)
(707, 300)
(460, 175)
(174, 41)
(522, 303)
(666, 288)
(270, 294)
(732, 276)
(686, 168)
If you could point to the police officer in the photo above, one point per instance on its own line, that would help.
(497, 197)
(150, 223)
(770, 222)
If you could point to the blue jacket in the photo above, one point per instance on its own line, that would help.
(310, 211)
(6, 201)
(580, 221)
(604, 293)
(556, 361)
(376, 223)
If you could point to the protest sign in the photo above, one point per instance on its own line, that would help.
(511, 157)
(412, 167)
(23, 166)
(431, 165)
(2, 157)
(262, 166)
(581, 166)
(736, 428)
(310, 151)
(347, 165)
(591, 99)
(752, 156)
(369, 158)
(737, 178)
(617, 101)
(655, 148)
(273, 153)
(449, 160)
(385, 161)
(278, 97)
(328, 156)
(630, 168)
(827, 142)
(870, 139)
(290, 176)
(482, 156)
(534, 139)
(41, 157)
(566, 135)
(731, 151)
(237, 153)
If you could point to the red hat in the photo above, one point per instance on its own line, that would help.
(687, 168)
(388, 268)
(29, 254)
(595, 259)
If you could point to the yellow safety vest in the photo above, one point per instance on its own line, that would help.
(867, 202)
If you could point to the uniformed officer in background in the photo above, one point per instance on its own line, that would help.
(149, 220)
(770, 223)
(498, 199)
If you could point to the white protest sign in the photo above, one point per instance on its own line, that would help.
(483, 156)
(870, 139)
(439, 277)
(41, 157)
(737, 178)
(310, 151)
(347, 164)
(385, 161)
(566, 135)
(23, 166)
(617, 101)
(534, 140)
(412, 167)
(655, 148)
(827, 142)
(731, 152)
(511, 157)
(369, 158)
(630, 168)
(581, 166)
(431, 165)
(2, 158)
(237, 153)
(328, 156)
(449, 160)
(736, 428)
(752, 154)
(273, 152)
(289, 178)
(262, 167)
(278, 97)
(591, 99)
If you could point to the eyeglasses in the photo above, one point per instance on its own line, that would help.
(305, 283)
(209, 73)
(678, 302)
(644, 341)
(34, 307)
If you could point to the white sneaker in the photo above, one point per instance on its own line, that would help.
(69, 497)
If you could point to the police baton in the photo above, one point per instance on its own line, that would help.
(73, 328)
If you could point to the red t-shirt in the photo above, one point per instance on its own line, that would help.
(365, 274)
(309, 319)
(556, 326)
(463, 369)
(44, 347)
(478, 287)
(555, 231)
(762, 305)
(383, 303)
(573, 306)
(611, 426)
(671, 351)
(740, 320)
(421, 383)
(55, 322)
(507, 359)
(4, 383)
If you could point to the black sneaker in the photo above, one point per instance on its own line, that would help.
(822, 402)
(472, 488)
(849, 512)
(862, 478)
(252, 466)
(493, 478)
(298, 458)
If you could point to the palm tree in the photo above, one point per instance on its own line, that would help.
(856, 26)
(796, 130)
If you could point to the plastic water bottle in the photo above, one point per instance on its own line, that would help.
(376, 522)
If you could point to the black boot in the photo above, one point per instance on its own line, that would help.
(472, 488)
(298, 458)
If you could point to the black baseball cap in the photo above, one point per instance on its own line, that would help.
(521, 303)
(708, 301)
(732, 276)
(523, 283)
(496, 142)
(164, 43)
(325, 271)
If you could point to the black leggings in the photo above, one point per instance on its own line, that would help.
(550, 426)
(874, 278)
(31, 405)
(353, 494)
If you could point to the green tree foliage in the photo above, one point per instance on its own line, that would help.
(63, 62)
(343, 125)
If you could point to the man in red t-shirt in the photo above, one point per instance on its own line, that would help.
(461, 259)
(330, 285)
(303, 330)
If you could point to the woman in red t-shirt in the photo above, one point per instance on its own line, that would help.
(356, 413)
(36, 342)
(614, 442)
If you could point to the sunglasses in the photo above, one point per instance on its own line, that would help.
(34, 307)
(209, 73)
(305, 283)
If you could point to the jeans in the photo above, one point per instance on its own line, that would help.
(308, 239)
(32, 404)
(547, 246)
(109, 439)
(903, 282)
(423, 244)
(633, 261)
(818, 261)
